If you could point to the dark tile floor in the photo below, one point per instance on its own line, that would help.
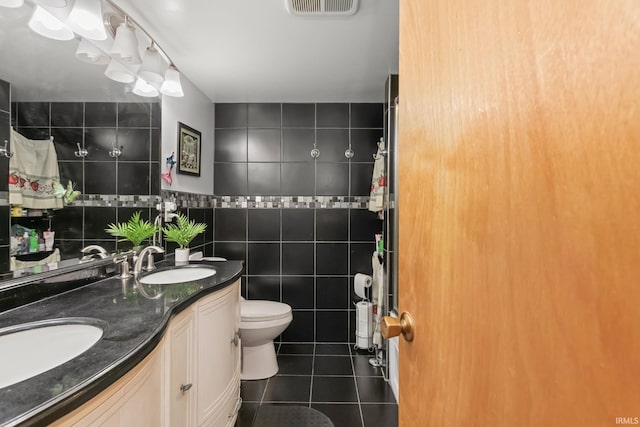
(331, 378)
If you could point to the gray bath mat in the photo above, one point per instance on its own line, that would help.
(290, 416)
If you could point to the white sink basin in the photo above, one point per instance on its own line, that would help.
(177, 275)
(30, 352)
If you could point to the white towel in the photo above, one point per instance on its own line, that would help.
(378, 183)
(33, 173)
(377, 288)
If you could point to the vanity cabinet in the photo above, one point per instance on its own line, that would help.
(203, 362)
(133, 400)
(179, 363)
(192, 378)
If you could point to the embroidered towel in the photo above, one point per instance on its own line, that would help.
(377, 288)
(33, 173)
(378, 182)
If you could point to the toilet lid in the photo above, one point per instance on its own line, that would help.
(263, 310)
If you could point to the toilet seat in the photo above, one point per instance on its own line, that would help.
(260, 311)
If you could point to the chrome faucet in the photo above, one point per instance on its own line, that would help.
(148, 252)
(88, 253)
(123, 260)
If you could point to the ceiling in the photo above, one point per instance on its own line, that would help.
(232, 50)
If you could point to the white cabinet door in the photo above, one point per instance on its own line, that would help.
(134, 400)
(218, 352)
(180, 387)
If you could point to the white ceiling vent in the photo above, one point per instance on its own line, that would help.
(322, 7)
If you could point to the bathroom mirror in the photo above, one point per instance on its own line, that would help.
(55, 94)
(42, 69)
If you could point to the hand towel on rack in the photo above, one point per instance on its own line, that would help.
(378, 183)
(33, 173)
(377, 288)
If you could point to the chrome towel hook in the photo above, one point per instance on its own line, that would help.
(82, 152)
(4, 151)
(116, 151)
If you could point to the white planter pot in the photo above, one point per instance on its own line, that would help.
(182, 256)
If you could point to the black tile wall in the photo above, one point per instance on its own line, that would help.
(298, 224)
(4, 225)
(5, 96)
(67, 114)
(231, 224)
(332, 115)
(298, 179)
(65, 140)
(264, 224)
(332, 144)
(231, 115)
(263, 145)
(298, 115)
(98, 127)
(231, 145)
(297, 144)
(5, 130)
(264, 115)
(33, 114)
(263, 179)
(333, 179)
(333, 224)
(297, 259)
(100, 114)
(6, 115)
(230, 179)
(303, 256)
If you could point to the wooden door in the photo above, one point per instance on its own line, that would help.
(519, 212)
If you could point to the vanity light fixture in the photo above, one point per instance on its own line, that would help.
(85, 19)
(153, 66)
(119, 72)
(171, 85)
(125, 46)
(11, 3)
(143, 88)
(88, 52)
(46, 24)
(52, 3)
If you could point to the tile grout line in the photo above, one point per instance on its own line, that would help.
(313, 369)
(353, 371)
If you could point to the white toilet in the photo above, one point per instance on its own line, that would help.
(260, 322)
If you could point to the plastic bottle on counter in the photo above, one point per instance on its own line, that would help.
(33, 242)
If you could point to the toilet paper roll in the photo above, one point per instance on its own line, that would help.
(364, 317)
(364, 342)
(360, 283)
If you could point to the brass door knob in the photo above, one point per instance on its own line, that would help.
(392, 327)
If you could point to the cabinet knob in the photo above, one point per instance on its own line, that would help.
(185, 387)
(236, 338)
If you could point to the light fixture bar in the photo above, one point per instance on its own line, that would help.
(139, 27)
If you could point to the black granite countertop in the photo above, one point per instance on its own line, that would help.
(134, 325)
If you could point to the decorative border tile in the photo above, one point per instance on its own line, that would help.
(193, 200)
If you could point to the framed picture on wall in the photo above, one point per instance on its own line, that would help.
(189, 149)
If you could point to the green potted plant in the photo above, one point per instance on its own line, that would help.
(183, 233)
(136, 230)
